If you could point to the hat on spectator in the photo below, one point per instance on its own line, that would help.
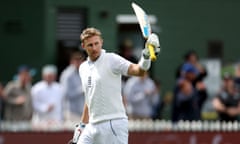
(49, 69)
(27, 68)
(189, 68)
(22, 68)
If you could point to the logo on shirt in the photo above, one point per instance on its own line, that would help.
(89, 81)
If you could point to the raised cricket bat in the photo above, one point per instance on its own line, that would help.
(145, 27)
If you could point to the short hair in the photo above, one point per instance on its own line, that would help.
(189, 53)
(89, 32)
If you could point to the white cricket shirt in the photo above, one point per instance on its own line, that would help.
(44, 95)
(101, 81)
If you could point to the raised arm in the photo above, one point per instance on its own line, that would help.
(135, 70)
(145, 61)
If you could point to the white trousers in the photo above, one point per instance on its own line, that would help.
(108, 132)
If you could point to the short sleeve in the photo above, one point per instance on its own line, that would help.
(118, 64)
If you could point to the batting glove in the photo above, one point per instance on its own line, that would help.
(152, 40)
(77, 132)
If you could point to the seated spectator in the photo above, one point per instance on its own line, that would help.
(227, 102)
(141, 97)
(18, 97)
(72, 88)
(47, 97)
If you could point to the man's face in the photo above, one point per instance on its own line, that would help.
(190, 76)
(93, 46)
(193, 58)
(24, 77)
(49, 77)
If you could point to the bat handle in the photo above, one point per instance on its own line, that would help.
(151, 52)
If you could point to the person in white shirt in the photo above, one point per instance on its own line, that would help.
(72, 88)
(141, 97)
(104, 113)
(47, 97)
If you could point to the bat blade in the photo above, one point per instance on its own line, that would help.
(145, 27)
(142, 19)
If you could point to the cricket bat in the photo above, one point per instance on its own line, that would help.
(145, 27)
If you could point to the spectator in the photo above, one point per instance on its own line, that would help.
(185, 98)
(72, 88)
(189, 89)
(18, 98)
(185, 105)
(191, 58)
(227, 102)
(141, 97)
(126, 50)
(47, 98)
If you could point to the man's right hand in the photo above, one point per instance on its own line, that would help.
(20, 100)
(77, 132)
(154, 41)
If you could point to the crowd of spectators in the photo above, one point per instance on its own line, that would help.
(50, 100)
(47, 101)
